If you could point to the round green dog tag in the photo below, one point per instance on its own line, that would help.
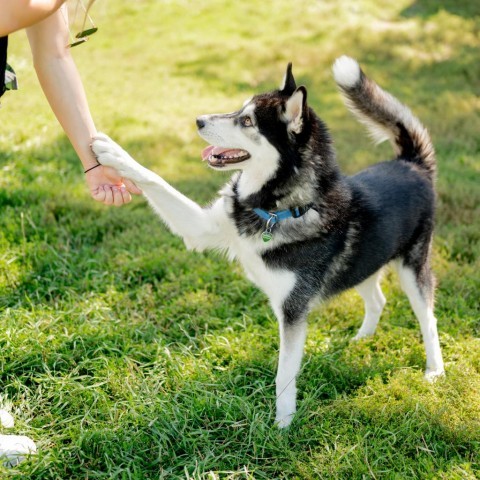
(267, 236)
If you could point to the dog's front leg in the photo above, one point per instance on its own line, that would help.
(293, 331)
(197, 226)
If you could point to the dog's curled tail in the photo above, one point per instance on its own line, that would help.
(384, 116)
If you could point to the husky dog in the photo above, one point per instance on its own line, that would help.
(303, 231)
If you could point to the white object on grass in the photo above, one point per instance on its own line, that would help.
(6, 419)
(15, 448)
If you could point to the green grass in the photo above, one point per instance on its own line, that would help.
(126, 357)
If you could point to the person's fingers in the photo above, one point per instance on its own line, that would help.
(127, 198)
(117, 196)
(131, 187)
(108, 195)
(98, 194)
(113, 194)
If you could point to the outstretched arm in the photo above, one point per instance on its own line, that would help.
(64, 90)
(18, 14)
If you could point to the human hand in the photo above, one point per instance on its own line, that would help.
(108, 187)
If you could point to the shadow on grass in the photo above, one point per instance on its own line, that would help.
(61, 241)
(98, 296)
(417, 59)
(221, 419)
(427, 8)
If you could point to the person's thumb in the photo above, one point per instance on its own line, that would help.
(131, 187)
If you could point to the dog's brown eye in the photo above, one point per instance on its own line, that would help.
(247, 121)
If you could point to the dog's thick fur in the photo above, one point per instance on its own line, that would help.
(356, 226)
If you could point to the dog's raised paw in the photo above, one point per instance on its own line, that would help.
(110, 154)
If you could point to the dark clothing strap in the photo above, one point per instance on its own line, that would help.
(3, 63)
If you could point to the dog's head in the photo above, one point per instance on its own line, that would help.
(263, 133)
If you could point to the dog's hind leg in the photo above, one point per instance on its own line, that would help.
(374, 300)
(419, 287)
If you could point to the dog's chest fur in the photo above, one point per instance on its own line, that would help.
(241, 241)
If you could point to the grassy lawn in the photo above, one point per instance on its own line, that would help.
(126, 357)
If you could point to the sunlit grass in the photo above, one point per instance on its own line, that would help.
(125, 356)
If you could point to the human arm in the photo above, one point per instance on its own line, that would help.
(18, 14)
(64, 90)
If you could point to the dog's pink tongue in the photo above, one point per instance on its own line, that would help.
(212, 150)
(207, 152)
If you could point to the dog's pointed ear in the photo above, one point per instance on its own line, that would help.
(288, 85)
(295, 109)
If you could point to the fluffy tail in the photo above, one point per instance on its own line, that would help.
(384, 116)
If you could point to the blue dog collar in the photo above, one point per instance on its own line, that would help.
(273, 218)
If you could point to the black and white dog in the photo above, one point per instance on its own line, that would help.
(303, 231)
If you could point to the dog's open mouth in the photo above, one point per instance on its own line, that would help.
(220, 157)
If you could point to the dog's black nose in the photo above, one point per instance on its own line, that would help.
(200, 123)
